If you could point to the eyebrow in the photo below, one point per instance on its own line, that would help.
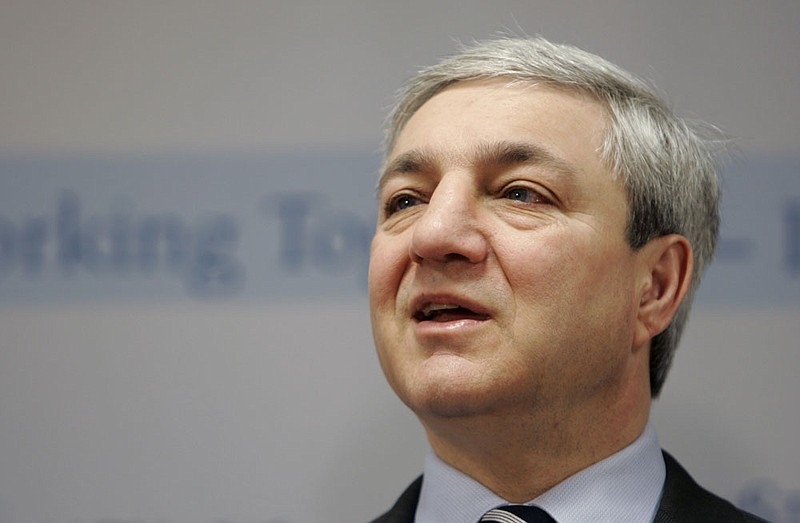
(498, 154)
(412, 161)
(507, 154)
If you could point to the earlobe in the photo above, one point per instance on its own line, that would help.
(666, 277)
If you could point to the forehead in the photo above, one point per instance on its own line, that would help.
(565, 126)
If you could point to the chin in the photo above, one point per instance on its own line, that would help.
(451, 408)
(450, 394)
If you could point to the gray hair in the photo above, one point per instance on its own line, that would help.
(666, 164)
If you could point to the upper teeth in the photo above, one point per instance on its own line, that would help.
(428, 309)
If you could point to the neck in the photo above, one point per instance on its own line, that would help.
(519, 457)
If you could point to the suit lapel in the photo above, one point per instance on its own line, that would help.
(405, 508)
(684, 501)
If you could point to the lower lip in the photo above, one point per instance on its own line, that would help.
(448, 327)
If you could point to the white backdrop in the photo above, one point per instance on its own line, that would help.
(185, 207)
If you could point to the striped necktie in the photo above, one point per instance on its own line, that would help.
(517, 514)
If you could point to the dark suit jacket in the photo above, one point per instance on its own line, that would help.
(683, 501)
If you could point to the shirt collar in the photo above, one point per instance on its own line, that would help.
(626, 486)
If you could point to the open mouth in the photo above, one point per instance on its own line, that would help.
(443, 312)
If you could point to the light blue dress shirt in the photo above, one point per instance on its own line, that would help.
(626, 486)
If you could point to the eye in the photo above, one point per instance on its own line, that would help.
(401, 202)
(525, 195)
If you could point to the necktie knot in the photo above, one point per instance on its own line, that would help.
(517, 514)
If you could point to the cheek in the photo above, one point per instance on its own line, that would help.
(545, 276)
(383, 286)
(386, 264)
(570, 290)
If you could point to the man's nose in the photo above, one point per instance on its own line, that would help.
(450, 228)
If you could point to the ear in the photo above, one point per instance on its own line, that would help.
(667, 265)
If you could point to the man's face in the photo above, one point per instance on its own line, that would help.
(500, 279)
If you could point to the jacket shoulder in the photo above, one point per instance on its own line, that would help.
(684, 501)
(405, 507)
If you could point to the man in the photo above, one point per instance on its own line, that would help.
(543, 222)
